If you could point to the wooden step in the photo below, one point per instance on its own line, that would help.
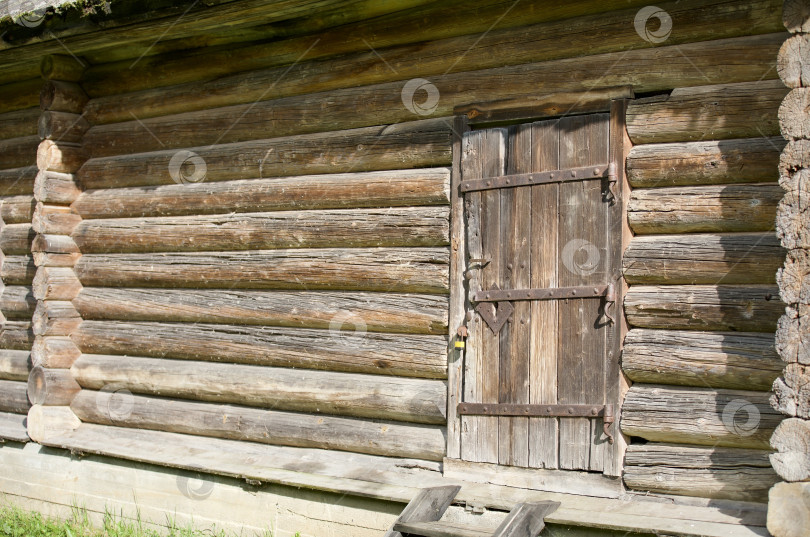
(443, 529)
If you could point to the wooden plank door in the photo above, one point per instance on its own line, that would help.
(545, 234)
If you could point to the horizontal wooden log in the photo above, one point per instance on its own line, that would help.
(18, 152)
(427, 186)
(382, 103)
(416, 144)
(55, 187)
(322, 392)
(323, 228)
(54, 352)
(791, 391)
(741, 110)
(61, 157)
(704, 208)
(55, 318)
(715, 472)
(791, 223)
(17, 209)
(53, 259)
(792, 117)
(793, 334)
(16, 239)
(20, 95)
(793, 60)
(13, 398)
(54, 219)
(61, 96)
(56, 283)
(702, 416)
(18, 181)
(18, 270)
(745, 160)
(254, 425)
(62, 126)
(791, 440)
(346, 347)
(51, 387)
(733, 258)
(495, 47)
(737, 361)
(403, 270)
(55, 244)
(14, 365)
(61, 67)
(704, 307)
(17, 302)
(12, 427)
(375, 312)
(19, 123)
(16, 335)
(794, 277)
(48, 421)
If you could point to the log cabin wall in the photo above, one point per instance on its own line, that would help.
(264, 233)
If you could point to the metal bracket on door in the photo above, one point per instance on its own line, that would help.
(495, 317)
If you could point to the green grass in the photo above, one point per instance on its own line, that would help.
(15, 522)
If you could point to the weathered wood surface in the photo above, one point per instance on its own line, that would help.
(258, 425)
(47, 421)
(793, 62)
(54, 219)
(14, 365)
(428, 186)
(13, 427)
(791, 440)
(16, 335)
(702, 416)
(348, 350)
(791, 222)
(321, 392)
(62, 126)
(732, 258)
(793, 160)
(793, 334)
(375, 312)
(17, 302)
(742, 110)
(18, 181)
(18, 270)
(704, 307)
(61, 67)
(55, 283)
(495, 47)
(54, 244)
(793, 120)
(51, 387)
(54, 318)
(715, 472)
(415, 144)
(17, 209)
(747, 58)
(741, 361)
(18, 152)
(322, 228)
(791, 391)
(794, 16)
(746, 160)
(793, 278)
(55, 187)
(19, 123)
(14, 398)
(20, 95)
(61, 157)
(415, 270)
(16, 239)
(704, 208)
(62, 96)
(54, 352)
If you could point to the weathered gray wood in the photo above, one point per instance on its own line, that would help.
(793, 120)
(54, 244)
(48, 421)
(795, 16)
(733, 258)
(707, 472)
(54, 352)
(444, 528)
(417, 270)
(428, 186)
(55, 318)
(526, 519)
(61, 67)
(18, 152)
(14, 365)
(62, 126)
(54, 219)
(791, 440)
(704, 208)
(12, 427)
(16, 239)
(791, 391)
(17, 209)
(791, 223)
(18, 181)
(702, 416)
(14, 398)
(704, 307)
(121, 408)
(741, 110)
(793, 61)
(18, 270)
(741, 361)
(322, 392)
(51, 387)
(55, 187)
(346, 346)
(746, 160)
(427, 506)
(793, 334)
(416, 144)
(323, 228)
(794, 285)
(16, 335)
(18, 123)
(61, 157)
(62, 96)
(20, 95)
(55, 283)
(17, 302)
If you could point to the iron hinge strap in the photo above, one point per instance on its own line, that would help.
(598, 171)
(552, 293)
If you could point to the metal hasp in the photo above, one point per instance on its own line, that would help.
(542, 411)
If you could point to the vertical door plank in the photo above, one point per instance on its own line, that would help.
(543, 432)
(514, 366)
